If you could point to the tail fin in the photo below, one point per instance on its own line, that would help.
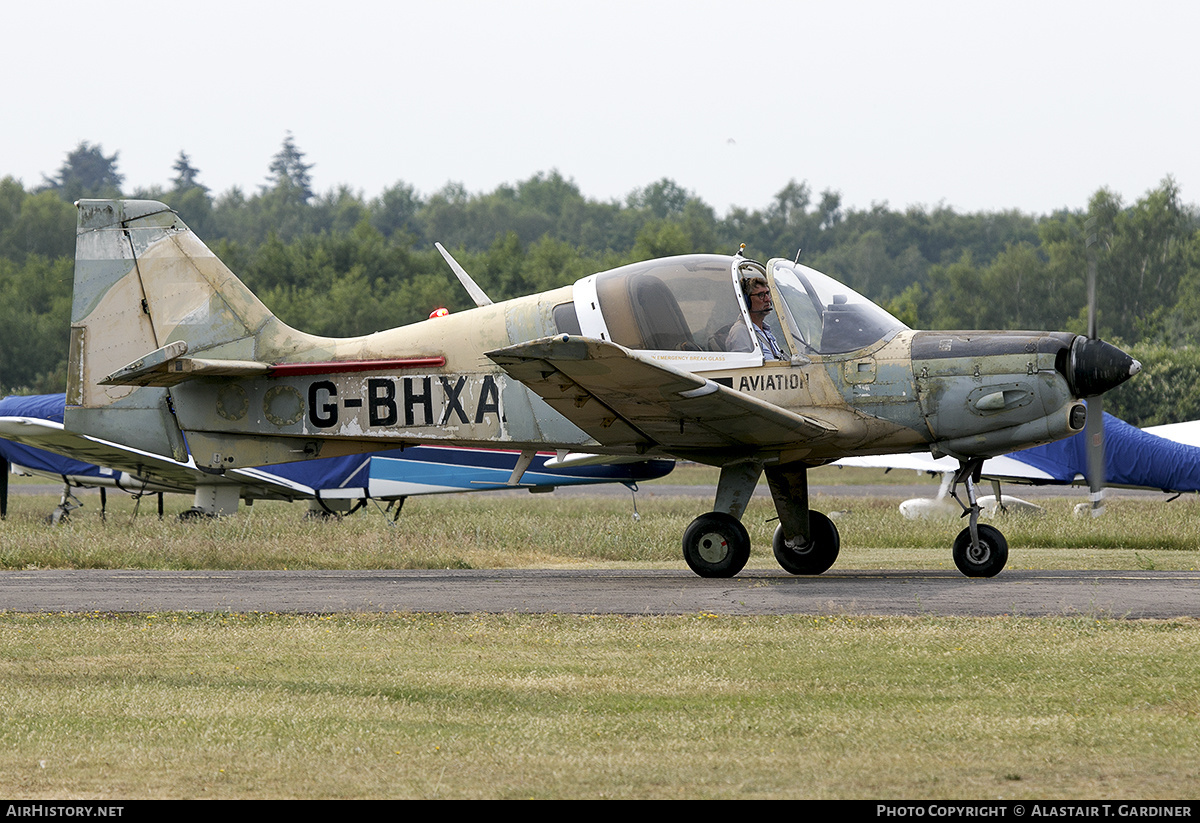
(143, 281)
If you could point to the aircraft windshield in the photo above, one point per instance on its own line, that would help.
(678, 304)
(826, 316)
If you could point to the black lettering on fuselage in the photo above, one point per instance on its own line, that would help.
(381, 402)
(452, 402)
(489, 399)
(322, 414)
(771, 382)
(411, 400)
(383, 398)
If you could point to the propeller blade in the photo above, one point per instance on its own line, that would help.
(1094, 428)
(1094, 432)
(1091, 289)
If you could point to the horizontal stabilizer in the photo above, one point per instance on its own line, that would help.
(168, 367)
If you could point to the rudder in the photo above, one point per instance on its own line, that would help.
(143, 280)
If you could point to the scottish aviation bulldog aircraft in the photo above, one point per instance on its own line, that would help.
(33, 439)
(643, 360)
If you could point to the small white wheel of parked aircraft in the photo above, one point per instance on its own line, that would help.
(986, 560)
(818, 555)
(716, 545)
(59, 515)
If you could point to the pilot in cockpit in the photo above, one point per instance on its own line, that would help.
(758, 301)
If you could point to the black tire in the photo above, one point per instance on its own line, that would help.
(195, 513)
(716, 545)
(818, 555)
(989, 560)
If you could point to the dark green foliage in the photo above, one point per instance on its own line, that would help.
(86, 173)
(185, 174)
(41, 223)
(1166, 391)
(35, 319)
(289, 172)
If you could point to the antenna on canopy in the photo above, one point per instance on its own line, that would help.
(741, 250)
(797, 260)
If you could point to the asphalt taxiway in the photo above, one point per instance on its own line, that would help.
(1109, 594)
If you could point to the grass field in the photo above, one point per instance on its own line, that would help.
(526, 530)
(179, 705)
(415, 705)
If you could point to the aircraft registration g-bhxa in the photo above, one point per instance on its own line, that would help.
(641, 361)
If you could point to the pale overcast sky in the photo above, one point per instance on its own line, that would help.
(977, 106)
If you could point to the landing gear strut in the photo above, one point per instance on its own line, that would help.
(980, 550)
(806, 542)
(67, 504)
(717, 544)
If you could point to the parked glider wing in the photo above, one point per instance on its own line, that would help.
(53, 450)
(34, 426)
(33, 437)
(1005, 468)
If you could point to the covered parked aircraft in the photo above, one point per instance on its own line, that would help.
(33, 439)
(1160, 458)
(659, 358)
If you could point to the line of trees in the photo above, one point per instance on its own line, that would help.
(339, 264)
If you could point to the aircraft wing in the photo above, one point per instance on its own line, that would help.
(622, 400)
(994, 468)
(1187, 433)
(50, 436)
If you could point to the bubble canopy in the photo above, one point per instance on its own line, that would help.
(690, 306)
(828, 317)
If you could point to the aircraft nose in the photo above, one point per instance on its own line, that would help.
(1097, 366)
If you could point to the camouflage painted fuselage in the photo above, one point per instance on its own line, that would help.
(166, 341)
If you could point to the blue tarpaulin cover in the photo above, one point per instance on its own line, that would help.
(44, 407)
(1132, 457)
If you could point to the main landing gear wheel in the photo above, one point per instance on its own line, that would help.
(716, 545)
(985, 561)
(818, 555)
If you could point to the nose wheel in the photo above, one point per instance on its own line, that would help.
(980, 550)
(985, 557)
